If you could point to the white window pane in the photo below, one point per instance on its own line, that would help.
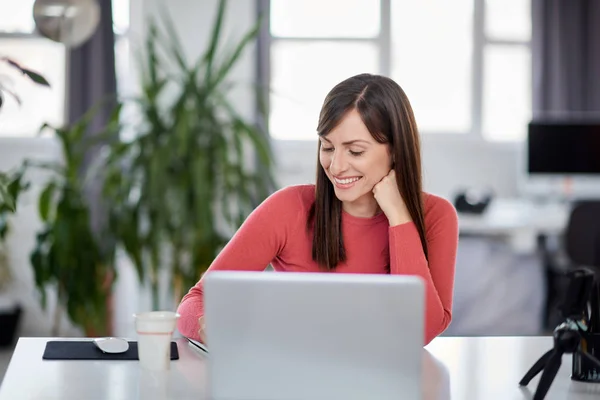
(126, 85)
(302, 73)
(120, 11)
(325, 18)
(508, 19)
(431, 60)
(39, 104)
(16, 16)
(506, 92)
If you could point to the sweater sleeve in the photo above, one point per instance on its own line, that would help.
(407, 258)
(256, 243)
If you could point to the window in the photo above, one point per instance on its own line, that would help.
(507, 83)
(464, 64)
(120, 9)
(314, 46)
(17, 16)
(431, 55)
(39, 104)
(19, 41)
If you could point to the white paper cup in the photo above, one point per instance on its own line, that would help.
(155, 332)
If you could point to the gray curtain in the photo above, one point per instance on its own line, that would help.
(566, 58)
(92, 69)
(92, 79)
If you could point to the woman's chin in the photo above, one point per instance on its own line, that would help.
(349, 196)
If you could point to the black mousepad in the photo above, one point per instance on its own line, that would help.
(87, 350)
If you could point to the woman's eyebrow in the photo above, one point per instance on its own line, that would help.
(348, 141)
(355, 141)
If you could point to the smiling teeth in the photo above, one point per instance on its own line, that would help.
(346, 181)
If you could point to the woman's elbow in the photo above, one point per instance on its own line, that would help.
(187, 324)
(188, 330)
(435, 329)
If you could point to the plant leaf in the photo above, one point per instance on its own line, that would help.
(175, 48)
(34, 76)
(214, 39)
(37, 78)
(228, 64)
(45, 201)
(6, 200)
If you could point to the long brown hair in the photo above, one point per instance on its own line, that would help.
(387, 114)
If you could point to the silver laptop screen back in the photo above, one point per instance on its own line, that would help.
(313, 336)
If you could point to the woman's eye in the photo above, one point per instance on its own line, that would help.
(356, 153)
(327, 148)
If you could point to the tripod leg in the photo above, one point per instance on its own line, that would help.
(548, 375)
(590, 357)
(537, 367)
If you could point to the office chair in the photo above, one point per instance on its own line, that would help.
(580, 248)
(582, 236)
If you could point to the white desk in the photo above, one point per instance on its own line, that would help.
(520, 221)
(454, 368)
(505, 215)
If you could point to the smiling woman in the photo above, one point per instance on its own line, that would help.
(352, 159)
(366, 214)
(374, 111)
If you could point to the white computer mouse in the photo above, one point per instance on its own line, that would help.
(112, 344)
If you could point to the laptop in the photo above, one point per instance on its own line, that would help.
(297, 336)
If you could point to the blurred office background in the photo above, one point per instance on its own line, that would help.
(477, 72)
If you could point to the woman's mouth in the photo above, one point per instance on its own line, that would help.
(346, 182)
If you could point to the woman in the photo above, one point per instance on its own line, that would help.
(366, 214)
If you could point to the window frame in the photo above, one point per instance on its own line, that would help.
(383, 42)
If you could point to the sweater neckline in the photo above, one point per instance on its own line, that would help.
(346, 217)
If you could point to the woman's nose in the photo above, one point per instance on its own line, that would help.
(338, 164)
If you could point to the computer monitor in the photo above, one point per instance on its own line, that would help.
(563, 148)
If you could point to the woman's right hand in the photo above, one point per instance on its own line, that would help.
(201, 330)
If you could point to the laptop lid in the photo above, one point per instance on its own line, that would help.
(286, 335)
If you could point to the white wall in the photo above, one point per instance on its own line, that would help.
(448, 164)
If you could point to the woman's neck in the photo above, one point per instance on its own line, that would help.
(364, 207)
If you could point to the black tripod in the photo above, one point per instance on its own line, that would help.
(568, 335)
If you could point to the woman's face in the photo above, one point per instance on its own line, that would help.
(354, 162)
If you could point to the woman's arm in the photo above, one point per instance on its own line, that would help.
(407, 258)
(258, 241)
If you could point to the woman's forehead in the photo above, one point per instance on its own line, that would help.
(350, 128)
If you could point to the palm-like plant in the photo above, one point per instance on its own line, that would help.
(69, 256)
(195, 168)
(12, 184)
(9, 182)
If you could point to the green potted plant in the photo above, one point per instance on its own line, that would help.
(6, 200)
(195, 167)
(69, 256)
(12, 184)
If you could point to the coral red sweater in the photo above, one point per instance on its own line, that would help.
(274, 233)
